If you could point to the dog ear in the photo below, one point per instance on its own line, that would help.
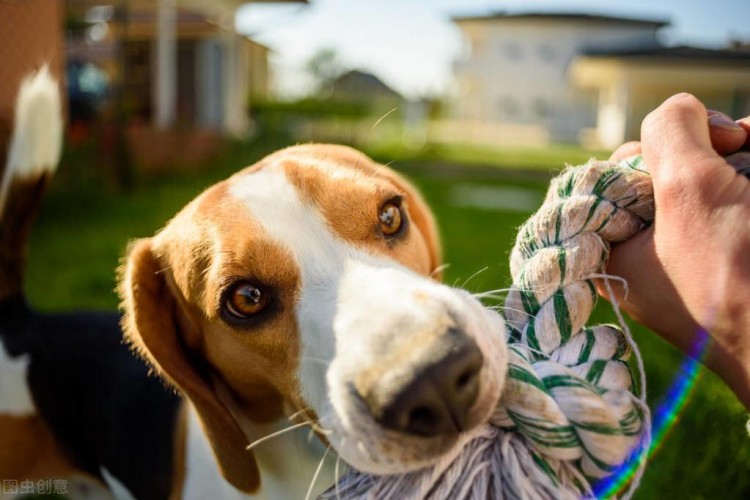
(421, 216)
(152, 324)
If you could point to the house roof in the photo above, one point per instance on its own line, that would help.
(363, 83)
(213, 5)
(87, 4)
(230, 3)
(256, 43)
(564, 16)
(678, 53)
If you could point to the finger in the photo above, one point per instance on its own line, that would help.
(745, 124)
(632, 148)
(726, 135)
(677, 146)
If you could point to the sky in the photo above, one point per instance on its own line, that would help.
(411, 44)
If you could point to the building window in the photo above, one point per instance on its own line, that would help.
(513, 51)
(541, 108)
(547, 52)
(467, 49)
(508, 107)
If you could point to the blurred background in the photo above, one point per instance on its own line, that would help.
(480, 102)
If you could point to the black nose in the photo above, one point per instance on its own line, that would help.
(434, 397)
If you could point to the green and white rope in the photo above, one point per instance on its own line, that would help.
(582, 409)
(568, 414)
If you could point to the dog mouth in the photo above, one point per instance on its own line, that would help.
(422, 422)
(402, 388)
(370, 447)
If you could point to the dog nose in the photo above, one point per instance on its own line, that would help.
(435, 397)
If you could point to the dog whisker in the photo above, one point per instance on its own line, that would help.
(163, 270)
(311, 434)
(542, 354)
(439, 269)
(466, 281)
(496, 308)
(506, 308)
(297, 413)
(367, 140)
(382, 118)
(317, 473)
(539, 287)
(278, 433)
(320, 428)
(491, 292)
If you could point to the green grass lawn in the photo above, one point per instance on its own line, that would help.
(506, 158)
(85, 225)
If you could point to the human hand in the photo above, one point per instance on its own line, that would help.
(691, 269)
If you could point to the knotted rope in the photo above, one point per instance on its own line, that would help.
(568, 414)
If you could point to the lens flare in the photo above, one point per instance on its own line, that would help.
(665, 417)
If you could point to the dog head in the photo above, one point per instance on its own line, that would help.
(305, 282)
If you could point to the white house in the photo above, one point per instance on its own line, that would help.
(514, 69)
(561, 77)
(224, 56)
(631, 83)
(185, 63)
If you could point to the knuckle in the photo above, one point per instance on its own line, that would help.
(669, 187)
(685, 103)
(680, 183)
(678, 108)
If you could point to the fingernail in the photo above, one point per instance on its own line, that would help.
(723, 122)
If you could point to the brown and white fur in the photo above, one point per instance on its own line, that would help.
(352, 312)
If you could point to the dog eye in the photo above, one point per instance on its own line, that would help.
(245, 300)
(390, 218)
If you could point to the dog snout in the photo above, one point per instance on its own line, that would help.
(434, 395)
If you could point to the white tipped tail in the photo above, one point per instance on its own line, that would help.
(33, 154)
(37, 131)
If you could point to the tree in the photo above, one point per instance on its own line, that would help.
(324, 66)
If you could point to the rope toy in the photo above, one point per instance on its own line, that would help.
(568, 415)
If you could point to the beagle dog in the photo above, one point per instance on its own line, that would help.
(299, 293)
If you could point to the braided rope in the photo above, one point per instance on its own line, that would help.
(568, 413)
(569, 387)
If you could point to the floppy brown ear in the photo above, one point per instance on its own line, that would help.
(151, 324)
